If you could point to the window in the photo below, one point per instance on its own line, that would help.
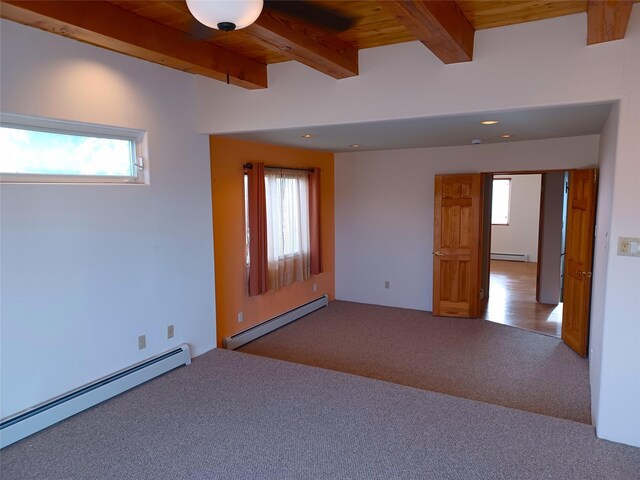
(246, 222)
(283, 226)
(287, 221)
(287, 198)
(500, 201)
(39, 150)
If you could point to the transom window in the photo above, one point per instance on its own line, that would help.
(39, 150)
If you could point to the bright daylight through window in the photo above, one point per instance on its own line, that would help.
(287, 195)
(287, 226)
(500, 201)
(50, 151)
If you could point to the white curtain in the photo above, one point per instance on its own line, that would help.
(287, 199)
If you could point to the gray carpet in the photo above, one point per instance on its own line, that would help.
(468, 358)
(232, 415)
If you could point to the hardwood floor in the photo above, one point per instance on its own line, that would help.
(512, 299)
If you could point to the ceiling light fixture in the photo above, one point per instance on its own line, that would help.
(489, 122)
(506, 135)
(226, 15)
(355, 145)
(308, 135)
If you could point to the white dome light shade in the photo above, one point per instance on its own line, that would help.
(225, 14)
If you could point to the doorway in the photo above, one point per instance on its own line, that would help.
(462, 253)
(525, 251)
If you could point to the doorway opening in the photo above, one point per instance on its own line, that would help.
(525, 226)
(462, 253)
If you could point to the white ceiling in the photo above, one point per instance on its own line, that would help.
(530, 124)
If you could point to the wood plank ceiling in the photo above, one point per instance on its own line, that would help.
(323, 34)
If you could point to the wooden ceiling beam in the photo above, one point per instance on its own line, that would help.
(439, 24)
(305, 43)
(106, 25)
(607, 20)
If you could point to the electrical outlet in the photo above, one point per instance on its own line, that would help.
(387, 284)
(629, 246)
(142, 342)
(170, 331)
(240, 317)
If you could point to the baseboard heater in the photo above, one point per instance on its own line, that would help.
(28, 422)
(513, 257)
(268, 326)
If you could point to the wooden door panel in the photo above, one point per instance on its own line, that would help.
(454, 277)
(450, 227)
(456, 273)
(449, 280)
(456, 295)
(466, 232)
(578, 259)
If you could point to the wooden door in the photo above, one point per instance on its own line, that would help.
(456, 245)
(581, 207)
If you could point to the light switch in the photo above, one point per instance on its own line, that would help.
(629, 246)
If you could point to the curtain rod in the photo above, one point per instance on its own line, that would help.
(249, 166)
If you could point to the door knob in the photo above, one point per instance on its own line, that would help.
(584, 274)
(438, 254)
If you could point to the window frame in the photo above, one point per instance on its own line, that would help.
(139, 150)
(508, 219)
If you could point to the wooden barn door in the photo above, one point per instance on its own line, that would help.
(456, 245)
(581, 208)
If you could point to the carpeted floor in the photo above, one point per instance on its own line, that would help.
(232, 415)
(467, 358)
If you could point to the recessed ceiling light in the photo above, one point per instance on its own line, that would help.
(308, 135)
(476, 141)
(506, 135)
(489, 122)
(355, 145)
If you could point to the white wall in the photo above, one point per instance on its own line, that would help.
(602, 244)
(551, 238)
(521, 235)
(86, 269)
(534, 64)
(384, 210)
(618, 414)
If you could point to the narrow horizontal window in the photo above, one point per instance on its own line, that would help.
(38, 150)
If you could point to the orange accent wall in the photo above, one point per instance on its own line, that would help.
(227, 187)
